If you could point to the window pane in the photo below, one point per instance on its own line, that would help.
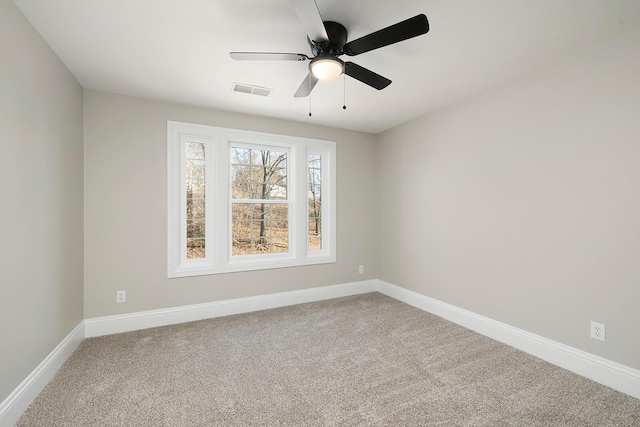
(195, 248)
(195, 150)
(195, 229)
(258, 174)
(315, 240)
(195, 175)
(260, 228)
(195, 208)
(314, 165)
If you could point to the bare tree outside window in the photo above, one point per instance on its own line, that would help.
(195, 167)
(260, 205)
(314, 166)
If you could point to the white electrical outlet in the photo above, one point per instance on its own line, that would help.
(361, 269)
(121, 296)
(597, 331)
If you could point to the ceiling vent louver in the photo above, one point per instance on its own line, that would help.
(251, 89)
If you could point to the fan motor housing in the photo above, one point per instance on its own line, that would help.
(337, 34)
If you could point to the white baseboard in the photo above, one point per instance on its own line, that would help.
(611, 374)
(19, 400)
(603, 371)
(98, 326)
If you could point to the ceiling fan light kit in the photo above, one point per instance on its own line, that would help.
(328, 40)
(326, 68)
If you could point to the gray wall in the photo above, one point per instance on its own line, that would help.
(522, 203)
(126, 208)
(41, 215)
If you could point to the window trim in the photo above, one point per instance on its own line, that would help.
(218, 252)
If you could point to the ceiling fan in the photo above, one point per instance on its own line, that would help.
(328, 41)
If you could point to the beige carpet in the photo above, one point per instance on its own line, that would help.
(354, 361)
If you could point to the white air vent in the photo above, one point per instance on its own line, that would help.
(254, 90)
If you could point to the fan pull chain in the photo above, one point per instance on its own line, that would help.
(344, 91)
(309, 105)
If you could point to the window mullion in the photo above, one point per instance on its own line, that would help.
(301, 205)
(223, 207)
(210, 194)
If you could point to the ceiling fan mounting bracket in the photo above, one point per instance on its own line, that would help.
(337, 39)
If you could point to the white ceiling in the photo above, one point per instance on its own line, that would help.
(178, 50)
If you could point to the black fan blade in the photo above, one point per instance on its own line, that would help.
(268, 56)
(404, 30)
(307, 86)
(308, 13)
(366, 76)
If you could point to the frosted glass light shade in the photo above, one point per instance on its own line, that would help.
(326, 68)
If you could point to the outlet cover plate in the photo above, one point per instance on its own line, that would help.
(597, 331)
(121, 296)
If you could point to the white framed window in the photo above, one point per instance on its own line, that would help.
(240, 200)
